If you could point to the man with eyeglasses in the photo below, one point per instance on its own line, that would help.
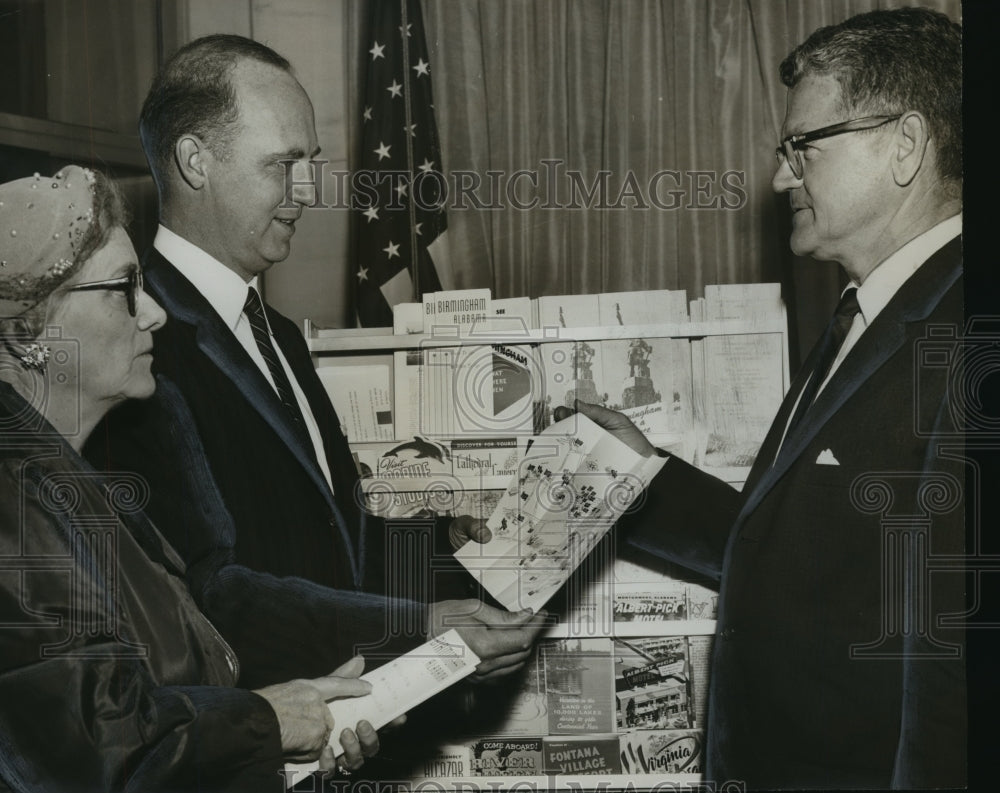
(839, 655)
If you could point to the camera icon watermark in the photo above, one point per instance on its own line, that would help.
(496, 379)
(969, 362)
(61, 375)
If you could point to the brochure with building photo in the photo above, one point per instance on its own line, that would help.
(649, 380)
(653, 683)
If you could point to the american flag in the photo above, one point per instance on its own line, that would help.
(400, 187)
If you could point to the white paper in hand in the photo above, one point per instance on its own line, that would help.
(575, 481)
(397, 687)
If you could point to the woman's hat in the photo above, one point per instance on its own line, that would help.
(42, 223)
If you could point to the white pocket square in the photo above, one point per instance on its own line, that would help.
(826, 458)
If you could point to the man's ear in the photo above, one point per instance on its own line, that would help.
(910, 147)
(191, 156)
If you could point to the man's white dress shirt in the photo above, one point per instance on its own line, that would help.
(226, 292)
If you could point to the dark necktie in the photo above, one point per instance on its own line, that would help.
(254, 310)
(833, 338)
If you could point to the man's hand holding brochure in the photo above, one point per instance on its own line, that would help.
(575, 481)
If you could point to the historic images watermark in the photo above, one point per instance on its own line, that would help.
(953, 370)
(550, 186)
(329, 781)
(83, 615)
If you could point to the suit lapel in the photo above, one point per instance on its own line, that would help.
(769, 448)
(184, 303)
(912, 303)
(339, 460)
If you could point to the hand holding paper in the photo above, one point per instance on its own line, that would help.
(395, 688)
(574, 482)
(465, 528)
(306, 722)
(618, 424)
(502, 640)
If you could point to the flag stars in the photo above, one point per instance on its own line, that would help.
(362, 274)
(382, 151)
(392, 249)
(422, 68)
(368, 114)
(371, 213)
(400, 190)
(416, 228)
(395, 89)
(378, 51)
(426, 166)
(406, 32)
(411, 128)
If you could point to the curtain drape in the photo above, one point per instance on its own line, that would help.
(673, 106)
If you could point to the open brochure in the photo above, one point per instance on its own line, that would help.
(575, 480)
(397, 687)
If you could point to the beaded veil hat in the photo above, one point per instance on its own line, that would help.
(42, 223)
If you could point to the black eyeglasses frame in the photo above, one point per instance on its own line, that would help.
(131, 284)
(790, 149)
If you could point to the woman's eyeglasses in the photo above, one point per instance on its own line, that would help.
(130, 284)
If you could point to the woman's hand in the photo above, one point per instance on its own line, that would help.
(306, 722)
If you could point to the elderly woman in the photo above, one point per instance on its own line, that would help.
(110, 678)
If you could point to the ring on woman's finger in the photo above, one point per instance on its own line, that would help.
(343, 770)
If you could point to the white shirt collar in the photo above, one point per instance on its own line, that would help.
(885, 280)
(225, 291)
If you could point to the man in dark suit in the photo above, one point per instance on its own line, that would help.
(838, 660)
(250, 476)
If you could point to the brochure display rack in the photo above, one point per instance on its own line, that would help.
(441, 420)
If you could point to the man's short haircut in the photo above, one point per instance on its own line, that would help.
(193, 93)
(888, 62)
